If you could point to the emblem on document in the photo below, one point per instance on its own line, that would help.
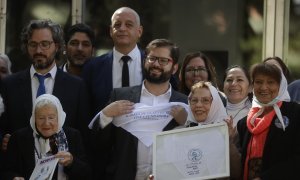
(195, 155)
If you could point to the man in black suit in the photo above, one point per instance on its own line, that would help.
(42, 41)
(127, 157)
(104, 73)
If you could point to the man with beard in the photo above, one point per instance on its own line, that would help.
(80, 44)
(129, 157)
(42, 41)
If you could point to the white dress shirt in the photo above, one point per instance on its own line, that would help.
(134, 65)
(144, 153)
(64, 67)
(49, 82)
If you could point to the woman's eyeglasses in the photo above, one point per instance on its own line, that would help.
(194, 70)
(203, 100)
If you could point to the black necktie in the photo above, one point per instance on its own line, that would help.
(125, 71)
(41, 90)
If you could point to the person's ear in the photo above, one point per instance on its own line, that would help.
(140, 30)
(180, 75)
(175, 68)
(110, 31)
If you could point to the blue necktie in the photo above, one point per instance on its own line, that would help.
(41, 90)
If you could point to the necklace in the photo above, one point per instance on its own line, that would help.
(237, 112)
(230, 106)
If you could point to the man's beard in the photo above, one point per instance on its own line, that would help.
(164, 77)
(77, 63)
(39, 64)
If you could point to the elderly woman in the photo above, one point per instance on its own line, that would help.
(5, 66)
(206, 107)
(205, 104)
(269, 135)
(44, 138)
(238, 91)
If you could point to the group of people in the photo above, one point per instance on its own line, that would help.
(74, 112)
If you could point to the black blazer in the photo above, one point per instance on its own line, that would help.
(17, 98)
(122, 145)
(97, 74)
(281, 154)
(20, 160)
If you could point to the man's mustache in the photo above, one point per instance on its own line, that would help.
(39, 55)
(155, 68)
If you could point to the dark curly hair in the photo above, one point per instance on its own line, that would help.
(57, 33)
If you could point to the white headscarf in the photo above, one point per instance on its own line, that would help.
(217, 111)
(46, 99)
(283, 95)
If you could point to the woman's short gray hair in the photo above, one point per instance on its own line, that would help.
(8, 62)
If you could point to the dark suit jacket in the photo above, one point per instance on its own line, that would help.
(122, 145)
(17, 98)
(281, 154)
(294, 90)
(97, 74)
(21, 161)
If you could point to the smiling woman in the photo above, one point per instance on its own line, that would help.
(238, 91)
(46, 137)
(205, 104)
(46, 120)
(206, 107)
(196, 67)
(267, 135)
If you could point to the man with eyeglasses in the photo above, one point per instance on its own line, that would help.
(42, 41)
(129, 157)
(80, 46)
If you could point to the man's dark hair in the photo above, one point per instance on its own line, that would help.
(157, 43)
(83, 28)
(56, 30)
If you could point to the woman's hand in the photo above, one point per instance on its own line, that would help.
(151, 177)
(5, 142)
(179, 114)
(118, 108)
(231, 130)
(65, 158)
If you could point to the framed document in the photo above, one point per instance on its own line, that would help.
(200, 152)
